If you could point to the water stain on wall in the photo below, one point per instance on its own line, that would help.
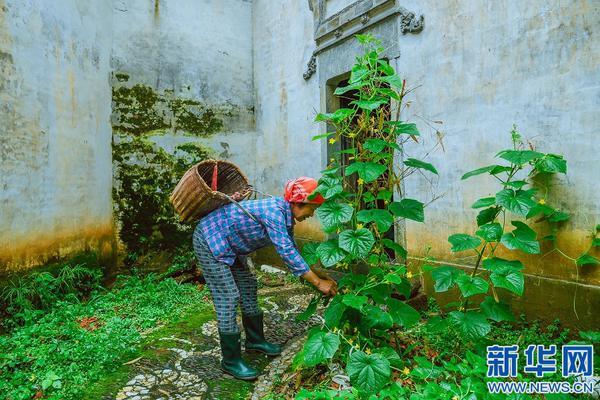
(40, 247)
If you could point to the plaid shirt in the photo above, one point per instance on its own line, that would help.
(229, 232)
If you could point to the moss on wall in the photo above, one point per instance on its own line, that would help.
(139, 109)
(144, 173)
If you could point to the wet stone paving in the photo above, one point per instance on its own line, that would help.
(192, 370)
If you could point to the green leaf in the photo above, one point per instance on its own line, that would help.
(596, 242)
(341, 90)
(518, 202)
(332, 214)
(519, 157)
(376, 318)
(391, 355)
(382, 218)
(516, 184)
(330, 253)
(540, 209)
(487, 215)
(587, 259)
(309, 253)
(401, 128)
(309, 311)
(462, 241)
(358, 242)
(470, 286)
(559, 216)
(367, 171)
(436, 324)
(551, 163)
(393, 278)
(484, 202)
(358, 73)
(523, 238)
(471, 324)
(413, 162)
(375, 145)
(402, 314)
(322, 135)
(320, 347)
(338, 116)
(368, 373)
(384, 195)
(334, 312)
(445, 277)
(393, 80)
(369, 105)
(329, 187)
(500, 264)
(496, 311)
(491, 232)
(354, 301)
(408, 208)
(390, 244)
(506, 274)
(492, 169)
(385, 67)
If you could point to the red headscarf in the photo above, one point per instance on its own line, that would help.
(297, 191)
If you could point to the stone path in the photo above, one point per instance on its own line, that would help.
(191, 370)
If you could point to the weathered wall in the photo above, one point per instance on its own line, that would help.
(480, 67)
(55, 160)
(286, 104)
(190, 64)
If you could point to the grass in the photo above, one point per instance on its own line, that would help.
(60, 351)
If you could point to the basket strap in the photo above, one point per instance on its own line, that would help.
(242, 208)
(215, 175)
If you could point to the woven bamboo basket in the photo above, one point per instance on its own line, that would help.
(207, 186)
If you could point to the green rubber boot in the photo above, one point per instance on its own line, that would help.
(255, 336)
(232, 362)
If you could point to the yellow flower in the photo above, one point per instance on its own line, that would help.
(455, 398)
(351, 158)
(406, 371)
(359, 226)
(357, 347)
(331, 160)
(360, 181)
(332, 141)
(409, 275)
(350, 340)
(335, 329)
(542, 201)
(368, 351)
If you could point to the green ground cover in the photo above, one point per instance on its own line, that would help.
(59, 351)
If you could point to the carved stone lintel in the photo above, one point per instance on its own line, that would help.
(411, 24)
(364, 18)
(338, 33)
(311, 67)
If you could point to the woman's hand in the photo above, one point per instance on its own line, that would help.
(328, 287)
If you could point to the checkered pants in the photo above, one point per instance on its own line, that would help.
(229, 286)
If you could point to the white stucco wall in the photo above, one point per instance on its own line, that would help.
(55, 159)
(194, 50)
(479, 68)
(286, 104)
